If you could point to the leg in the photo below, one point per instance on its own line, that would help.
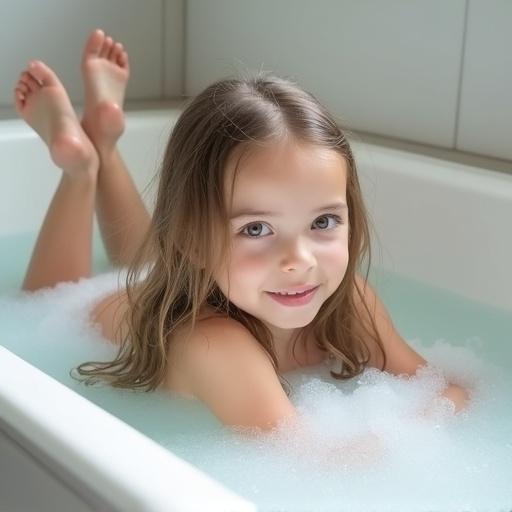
(122, 216)
(63, 248)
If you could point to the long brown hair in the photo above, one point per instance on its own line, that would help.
(189, 235)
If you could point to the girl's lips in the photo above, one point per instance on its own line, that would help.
(297, 289)
(294, 300)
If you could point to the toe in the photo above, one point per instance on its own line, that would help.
(105, 49)
(31, 82)
(22, 82)
(23, 87)
(94, 43)
(42, 73)
(114, 52)
(19, 100)
(21, 91)
(122, 59)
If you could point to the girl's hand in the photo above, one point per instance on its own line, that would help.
(452, 400)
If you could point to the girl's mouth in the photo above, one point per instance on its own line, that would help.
(300, 299)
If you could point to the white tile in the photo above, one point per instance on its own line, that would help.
(55, 31)
(485, 125)
(390, 68)
(173, 47)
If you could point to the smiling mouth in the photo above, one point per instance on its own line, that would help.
(299, 299)
(298, 290)
(295, 294)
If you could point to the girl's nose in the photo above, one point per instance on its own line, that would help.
(297, 255)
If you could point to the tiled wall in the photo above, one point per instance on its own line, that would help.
(368, 61)
(434, 72)
(55, 31)
(485, 124)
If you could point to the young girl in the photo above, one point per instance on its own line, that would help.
(247, 268)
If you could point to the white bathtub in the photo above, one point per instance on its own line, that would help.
(437, 222)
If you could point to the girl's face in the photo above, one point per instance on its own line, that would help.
(300, 238)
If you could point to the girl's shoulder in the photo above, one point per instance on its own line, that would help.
(212, 331)
(226, 368)
(181, 351)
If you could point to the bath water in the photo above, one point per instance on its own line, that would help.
(365, 447)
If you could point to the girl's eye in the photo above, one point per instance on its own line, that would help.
(336, 218)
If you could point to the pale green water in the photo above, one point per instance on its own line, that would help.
(459, 463)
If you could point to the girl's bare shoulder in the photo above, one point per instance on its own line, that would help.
(219, 362)
(225, 367)
(212, 333)
(181, 350)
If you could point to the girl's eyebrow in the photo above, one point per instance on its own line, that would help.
(249, 212)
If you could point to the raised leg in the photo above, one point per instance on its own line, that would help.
(122, 216)
(64, 245)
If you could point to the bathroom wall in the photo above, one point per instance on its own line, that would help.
(431, 72)
(55, 31)
(485, 124)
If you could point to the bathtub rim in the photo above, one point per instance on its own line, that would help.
(440, 193)
(57, 428)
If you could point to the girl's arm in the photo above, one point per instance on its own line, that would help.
(457, 394)
(400, 357)
(226, 368)
(231, 374)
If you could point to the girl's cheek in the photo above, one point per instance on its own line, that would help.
(250, 252)
(335, 256)
(249, 263)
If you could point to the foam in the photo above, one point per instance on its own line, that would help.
(359, 445)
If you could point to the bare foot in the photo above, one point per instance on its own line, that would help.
(42, 101)
(105, 70)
